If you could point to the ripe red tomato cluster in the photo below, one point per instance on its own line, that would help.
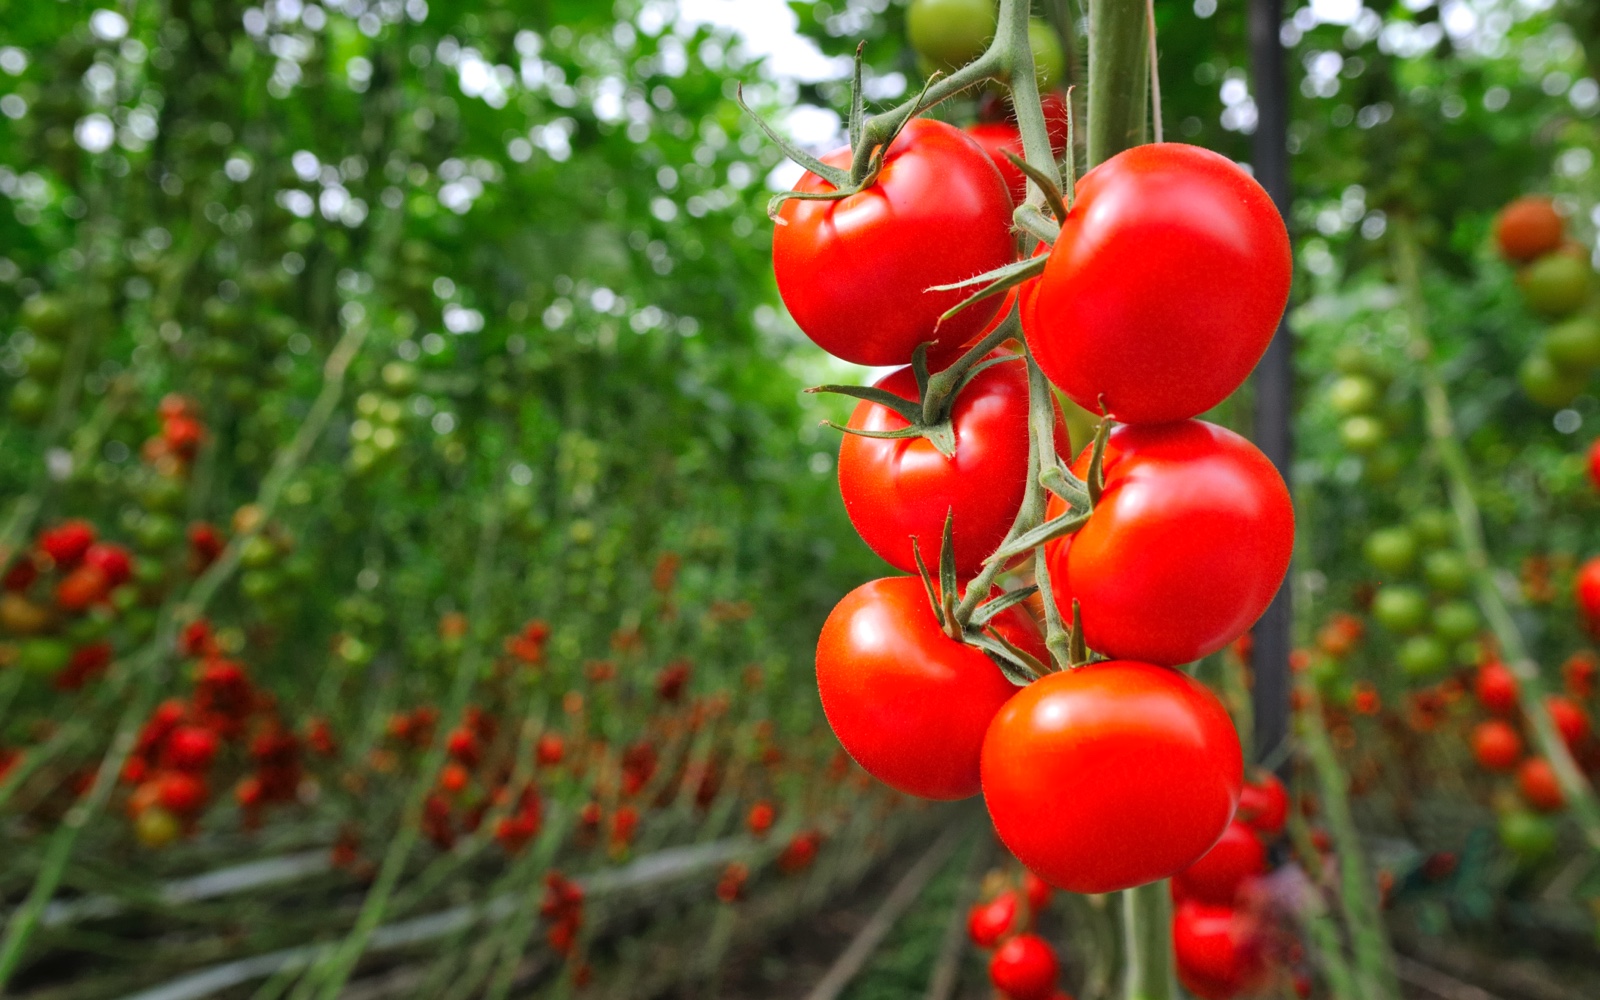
(1497, 742)
(177, 750)
(1022, 965)
(59, 598)
(1226, 938)
(1167, 282)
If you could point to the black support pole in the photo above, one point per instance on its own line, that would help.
(1274, 381)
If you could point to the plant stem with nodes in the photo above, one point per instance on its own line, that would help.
(1459, 478)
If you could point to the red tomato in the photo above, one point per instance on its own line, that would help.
(760, 818)
(183, 794)
(1570, 720)
(1527, 228)
(1496, 745)
(1218, 952)
(910, 704)
(1579, 672)
(1587, 590)
(988, 922)
(112, 560)
(1025, 968)
(68, 541)
(1236, 858)
(1165, 286)
(1594, 463)
(998, 139)
(1496, 688)
(550, 749)
(1185, 549)
(1038, 892)
(1264, 804)
(855, 273)
(81, 588)
(1536, 780)
(1111, 775)
(896, 488)
(190, 748)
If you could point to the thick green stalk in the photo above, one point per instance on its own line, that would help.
(1469, 535)
(1148, 971)
(1369, 939)
(1118, 77)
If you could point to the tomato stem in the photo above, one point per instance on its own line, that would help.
(1147, 943)
(1369, 940)
(1117, 78)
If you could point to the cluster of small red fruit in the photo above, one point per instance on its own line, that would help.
(1154, 303)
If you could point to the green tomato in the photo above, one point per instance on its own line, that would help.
(1391, 550)
(1049, 60)
(1362, 433)
(401, 376)
(43, 656)
(1447, 571)
(161, 493)
(1469, 653)
(1325, 671)
(950, 33)
(46, 315)
(1422, 656)
(1433, 527)
(259, 584)
(1455, 621)
(1526, 835)
(1353, 359)
(1546, 384)
(258, 553)
(1573, 346)
(91, 626)
(1384, 464)
(1353, 394)
(156, 531)
(29, 401)
(1555, 285)
(43, 358)
(1400, 608)
(223, 317)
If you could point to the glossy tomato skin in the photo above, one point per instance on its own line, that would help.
(854, 273)
(1219, 874)
(988, 922)
(907, 702)
(897, 488)
(1217, 952)
(1185, 549)
(1025, 968)
(1111, 775)
(1165, 286)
